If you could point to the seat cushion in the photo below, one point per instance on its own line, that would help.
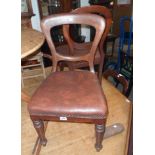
(70, 94)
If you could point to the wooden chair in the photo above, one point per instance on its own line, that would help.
(122, 80)
(30, 65)
(70, 96)
(80, 48)
(119, 79)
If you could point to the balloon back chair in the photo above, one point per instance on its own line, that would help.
(83, 47)
(70, 96)
(117, 78)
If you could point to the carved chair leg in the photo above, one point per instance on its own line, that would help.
(99, 129)
(39, 126)
(37, 146)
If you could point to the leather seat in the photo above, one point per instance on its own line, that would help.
(80, 96)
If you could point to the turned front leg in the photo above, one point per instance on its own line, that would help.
(39, 126)
(99, 129)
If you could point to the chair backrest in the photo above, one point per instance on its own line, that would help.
(94, 9)
(116, 76)
(67, 18)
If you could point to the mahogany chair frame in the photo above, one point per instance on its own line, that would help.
(46, 25)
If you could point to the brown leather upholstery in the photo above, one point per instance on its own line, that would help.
(70, 94)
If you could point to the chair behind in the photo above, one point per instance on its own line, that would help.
(103, 11)
(121, 79)
(31, 65)
(56, 20)
(116, 76)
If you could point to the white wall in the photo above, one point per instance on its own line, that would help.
(85, 30)
(35, 20)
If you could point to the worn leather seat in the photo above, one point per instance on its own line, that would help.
(80, 96)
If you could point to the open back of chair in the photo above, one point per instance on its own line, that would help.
(62, 19)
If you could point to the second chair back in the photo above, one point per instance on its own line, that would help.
(93, 20)
(94, 9)
(119, 77)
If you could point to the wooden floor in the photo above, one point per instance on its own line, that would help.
(73, 138)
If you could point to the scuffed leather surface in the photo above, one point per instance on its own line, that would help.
(70, 94)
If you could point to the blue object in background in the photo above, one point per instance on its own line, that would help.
(125, 38)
